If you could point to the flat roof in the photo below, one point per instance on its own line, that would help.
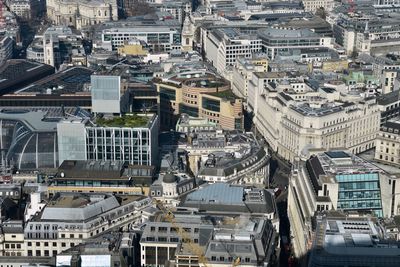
(69, 81)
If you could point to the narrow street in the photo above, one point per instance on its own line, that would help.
(279, 178)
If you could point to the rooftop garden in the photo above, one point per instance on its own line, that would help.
(226, 94)
(130, 121)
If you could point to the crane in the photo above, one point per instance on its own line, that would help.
(186, 238)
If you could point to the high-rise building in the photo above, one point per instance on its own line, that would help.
(199, 94)
(130, 138)
(336, 180)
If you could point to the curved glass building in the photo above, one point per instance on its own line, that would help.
(28, 140)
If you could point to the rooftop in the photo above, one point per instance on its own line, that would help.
(340, 162)
(69, 81)
(35, 121)
(130, 121)
(227, 95)
(16, 73)
(82, 207)
(222, 197)
(352, 237)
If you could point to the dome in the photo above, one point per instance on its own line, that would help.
(169, 178)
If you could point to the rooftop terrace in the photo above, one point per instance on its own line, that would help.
(130, 121)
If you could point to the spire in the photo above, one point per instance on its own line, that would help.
(366, 30)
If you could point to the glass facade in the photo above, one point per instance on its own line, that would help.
(211, 104)
(115, 144)
(167, 94)
(27, 149)
(238, 123)
(191, 111)
(360, 192)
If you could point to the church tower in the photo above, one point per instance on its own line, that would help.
(187, 34)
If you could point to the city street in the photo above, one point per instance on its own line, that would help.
(279, 177)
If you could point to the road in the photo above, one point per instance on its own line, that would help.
(279, 177)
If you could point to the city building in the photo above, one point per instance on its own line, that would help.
(69, 219)
(276, 39)
(106, 94)
(223, 46)
(216, 237)
(133, 47)
(243, 71)
(158, 35)
(387, 146)
(56, 46)
(80, 14)
(351, 242)
(169, 187)
(6, 49)
(227, 156)
(18, 73)
(116, 249)
(68, 88)
(295, 116)
(375, 36)
(314, 5)
(198, 94)
(231, 200)
(28, 139)
(130, 138)
(187, 125)
(27, 9)
(102, 176)
(336, 180)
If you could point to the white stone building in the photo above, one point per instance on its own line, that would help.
(81, 13)
(295, 118)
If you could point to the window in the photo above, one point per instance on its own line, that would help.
(38, 254)
(63, 245)
(29, 244)
(37, 244)
(54, 244)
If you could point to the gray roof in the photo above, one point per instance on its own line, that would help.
(77, 208)
(219, 194)
(33, 120)
(222, 198)
(285, 33)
